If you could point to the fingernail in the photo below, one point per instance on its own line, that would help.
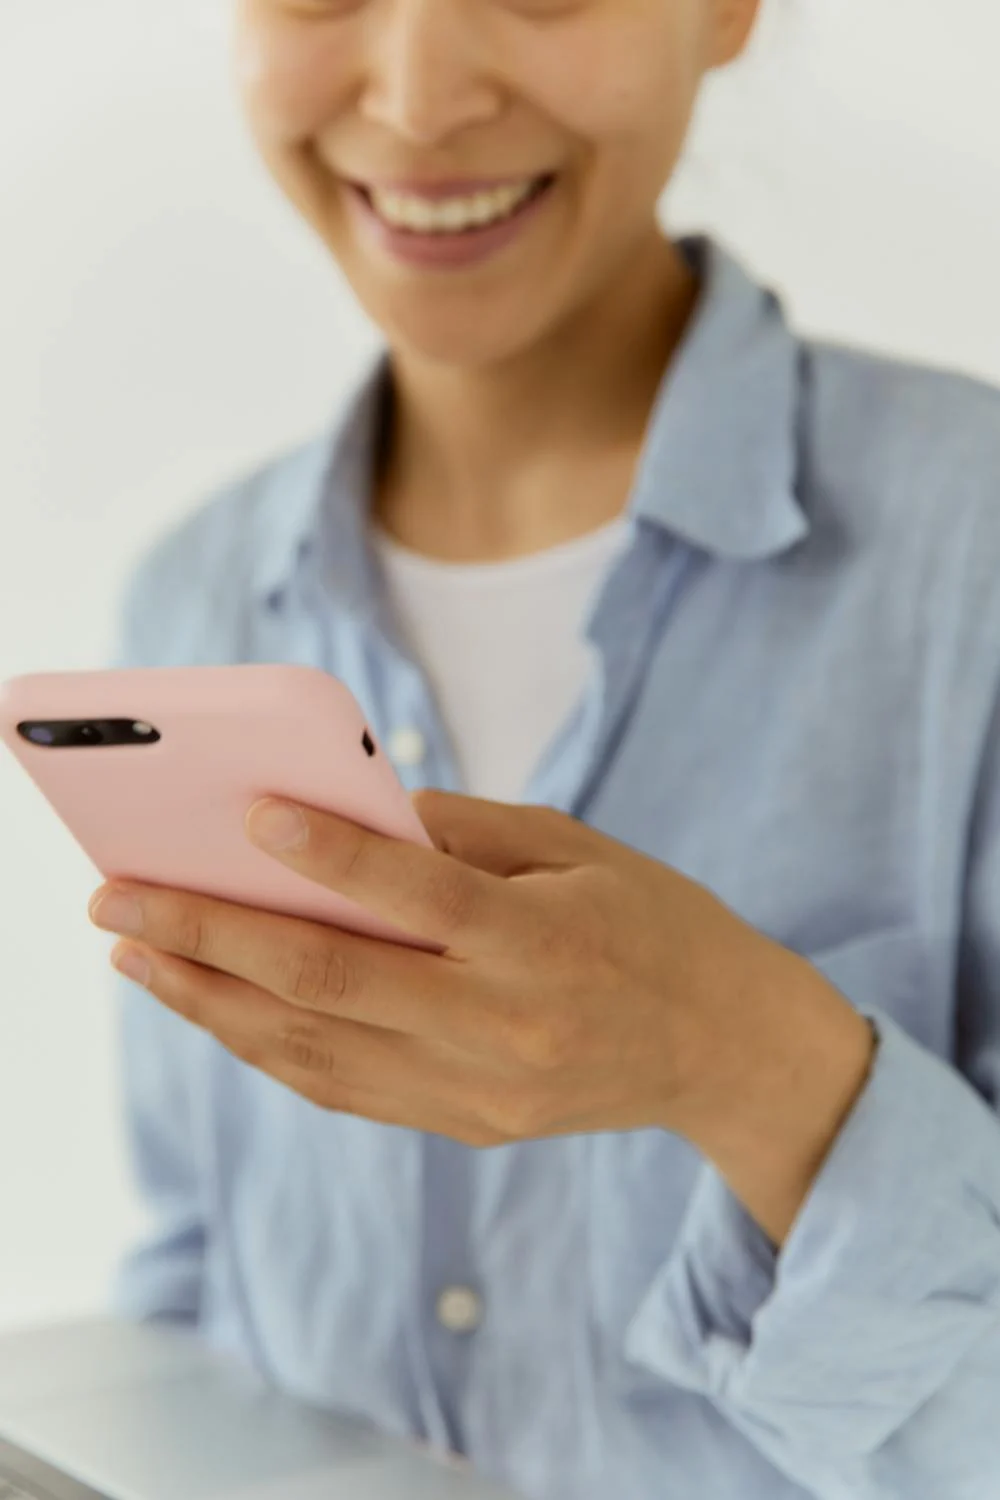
(116, 912)
(133, 964)
(279, 826)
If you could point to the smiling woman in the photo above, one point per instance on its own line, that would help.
(432, 104)
(697, 1111)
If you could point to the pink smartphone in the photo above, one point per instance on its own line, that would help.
(153, 770)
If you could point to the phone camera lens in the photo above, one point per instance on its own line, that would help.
(86, 734)
(41, 735)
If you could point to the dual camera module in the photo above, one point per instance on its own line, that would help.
(70, 734)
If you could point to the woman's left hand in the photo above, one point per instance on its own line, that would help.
(585, 987)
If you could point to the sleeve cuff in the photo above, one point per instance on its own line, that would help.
(890, 1274)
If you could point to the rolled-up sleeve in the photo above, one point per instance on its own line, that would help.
(863, 1359)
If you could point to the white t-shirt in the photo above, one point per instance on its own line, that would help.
(503, 646)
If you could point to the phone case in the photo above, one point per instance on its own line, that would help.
(171, 813)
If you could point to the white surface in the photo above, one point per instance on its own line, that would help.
(146, 1415)
(163, 319)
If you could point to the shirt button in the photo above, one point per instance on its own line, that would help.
(407, 747)
(460, 1309)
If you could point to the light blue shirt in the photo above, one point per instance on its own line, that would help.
(795, 702)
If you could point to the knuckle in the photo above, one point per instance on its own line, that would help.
(317, 976)
(190, 932)
(539, 1041)
(302, 1048)
(338, 982)
(549, 1042)
(512, 1114)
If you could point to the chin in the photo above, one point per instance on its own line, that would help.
(469, 338)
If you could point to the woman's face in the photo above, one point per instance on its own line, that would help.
(409, 131)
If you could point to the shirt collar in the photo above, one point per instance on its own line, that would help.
(717, 470)
(719, 464)
(316, 499)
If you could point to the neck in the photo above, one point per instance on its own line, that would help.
(496, 462)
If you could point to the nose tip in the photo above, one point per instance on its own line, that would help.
(429, 99)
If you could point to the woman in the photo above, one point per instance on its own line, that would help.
(679, 1174)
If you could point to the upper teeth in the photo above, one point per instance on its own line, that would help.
(449, 215)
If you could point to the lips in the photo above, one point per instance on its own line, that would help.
(430, 236)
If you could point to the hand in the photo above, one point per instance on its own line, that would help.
(584, 987)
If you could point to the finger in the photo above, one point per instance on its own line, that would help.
(502, 838)
(312, 967)
(427, 892)
(339, 1064)
(233, 1008)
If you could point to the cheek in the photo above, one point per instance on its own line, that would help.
(292, 78)
(620, 95)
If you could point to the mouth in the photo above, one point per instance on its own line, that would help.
(452, 210)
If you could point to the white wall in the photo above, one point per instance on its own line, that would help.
(163, 320)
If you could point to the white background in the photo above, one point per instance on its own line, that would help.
(164, 320)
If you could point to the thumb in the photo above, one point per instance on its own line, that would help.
(501, 838)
